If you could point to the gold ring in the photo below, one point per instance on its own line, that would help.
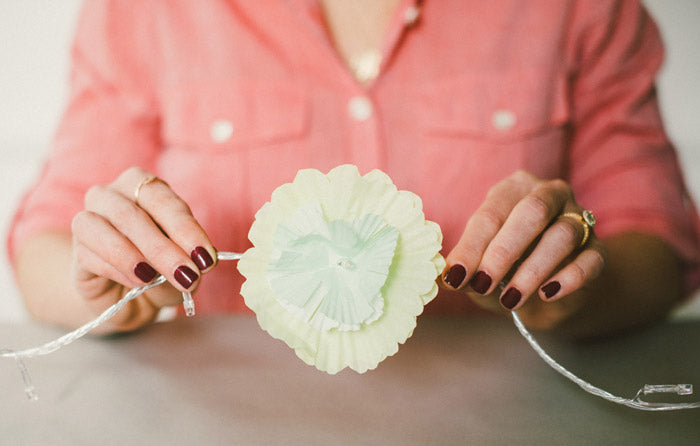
(587, 220)
(145, 181)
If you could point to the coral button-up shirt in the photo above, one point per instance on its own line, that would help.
(225, 100)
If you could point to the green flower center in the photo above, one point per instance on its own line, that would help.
(329, 274)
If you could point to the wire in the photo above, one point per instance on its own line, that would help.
(52, 346)
(636, 402)
(188, 303)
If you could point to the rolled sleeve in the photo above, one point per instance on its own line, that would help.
(623, 165)
(110, 123)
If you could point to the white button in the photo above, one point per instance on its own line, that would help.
(221, 130)
(410, 15)
(360, 108)
(503, 119)
(366, 65)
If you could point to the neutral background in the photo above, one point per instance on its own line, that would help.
(35, 36)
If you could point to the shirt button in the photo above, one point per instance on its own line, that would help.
(410, 15)
(360, 108)
(221, 130)
(503, 119)
(366, 66)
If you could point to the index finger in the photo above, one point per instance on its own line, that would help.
(172, 215)
(464, 259)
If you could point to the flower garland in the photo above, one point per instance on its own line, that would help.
(341, 267)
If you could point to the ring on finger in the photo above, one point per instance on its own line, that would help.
(145, 181)
(587, 220)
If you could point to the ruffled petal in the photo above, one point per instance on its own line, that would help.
(341, 267)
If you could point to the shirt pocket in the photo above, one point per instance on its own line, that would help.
(499, 122)
(226, 117)
(505, 106)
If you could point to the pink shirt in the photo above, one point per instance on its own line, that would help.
(226, 100)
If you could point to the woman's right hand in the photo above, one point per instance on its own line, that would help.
(129, 231)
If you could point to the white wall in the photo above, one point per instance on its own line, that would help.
(34, 41)
(35, 36)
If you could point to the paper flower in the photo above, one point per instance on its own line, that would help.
(341, 266)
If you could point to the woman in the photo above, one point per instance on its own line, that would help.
(508, 119)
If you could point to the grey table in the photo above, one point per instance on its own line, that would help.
(222, 380)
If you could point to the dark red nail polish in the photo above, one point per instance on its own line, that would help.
(551, 289)
(455, 276)
(481, 282)
(511, 298)
(185, 276)
(145, 272)
(201, 258)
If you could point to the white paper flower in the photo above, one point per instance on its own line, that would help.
(341, 267)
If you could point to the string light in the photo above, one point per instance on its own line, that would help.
(188, 304)
(636, 402)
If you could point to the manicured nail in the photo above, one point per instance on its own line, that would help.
(511, 298)
(455, 276)
(481, 282)
(551, 289)
(145, 272)
(185, 276)
(201, 258)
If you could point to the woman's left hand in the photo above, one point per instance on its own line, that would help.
(516, 238)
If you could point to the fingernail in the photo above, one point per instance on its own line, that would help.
(481, 282)
(551, 289)
(185, 276)
(511, 298)
(145, 272)
(201, 258)
(455, 276)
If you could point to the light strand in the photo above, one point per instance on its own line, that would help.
(188, 304)
(636, 402)
(52, 346)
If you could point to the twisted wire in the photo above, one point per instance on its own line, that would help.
(635, 403)
(52, 346)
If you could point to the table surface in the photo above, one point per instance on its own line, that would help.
(222, 380)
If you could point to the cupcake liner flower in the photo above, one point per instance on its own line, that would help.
(341, 266)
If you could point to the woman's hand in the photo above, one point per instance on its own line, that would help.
(129, 231)
(516, 239)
